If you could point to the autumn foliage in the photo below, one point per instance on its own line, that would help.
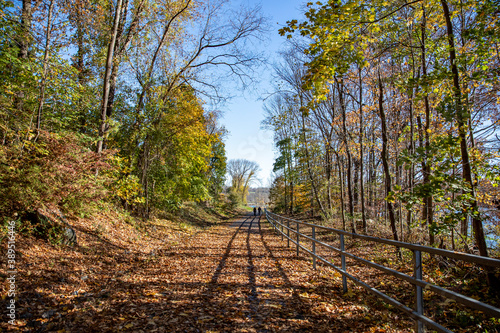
(389, 112)
(107, 102)
(55, 170)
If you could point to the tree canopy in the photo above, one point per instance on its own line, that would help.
(390, 110)
(127, 83)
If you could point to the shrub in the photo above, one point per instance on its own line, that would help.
(126, 186)
(55, 170)
(234, 200)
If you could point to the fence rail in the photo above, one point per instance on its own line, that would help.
(282, 225)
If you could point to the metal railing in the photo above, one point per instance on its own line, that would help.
(282, 225)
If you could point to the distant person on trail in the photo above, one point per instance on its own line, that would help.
(254, 211)
(260, 210)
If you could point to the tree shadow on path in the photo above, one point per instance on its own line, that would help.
(222, 280)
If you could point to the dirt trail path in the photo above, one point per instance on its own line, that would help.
(236, 277)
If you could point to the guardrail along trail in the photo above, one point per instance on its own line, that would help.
(308, 239)
(235, 277)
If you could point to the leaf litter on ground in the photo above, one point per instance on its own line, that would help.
(236, 276)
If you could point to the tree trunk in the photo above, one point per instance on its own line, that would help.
(462, 116)
(103, 128)
(285, 191)
(79, 64)
(372, 172)
(122, 42)
(144, 167)
(309, 171)
(328, 170)
(349, 158)
(341, 181)
(388, 185)
(426, 168)
(361, 154)
(44, 73)
(149, 73)
(411, 94)
(245, 187)
(290, 181)
(23, 42)
(355, 183)
(25, 35)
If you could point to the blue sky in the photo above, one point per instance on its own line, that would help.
(244, 113)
